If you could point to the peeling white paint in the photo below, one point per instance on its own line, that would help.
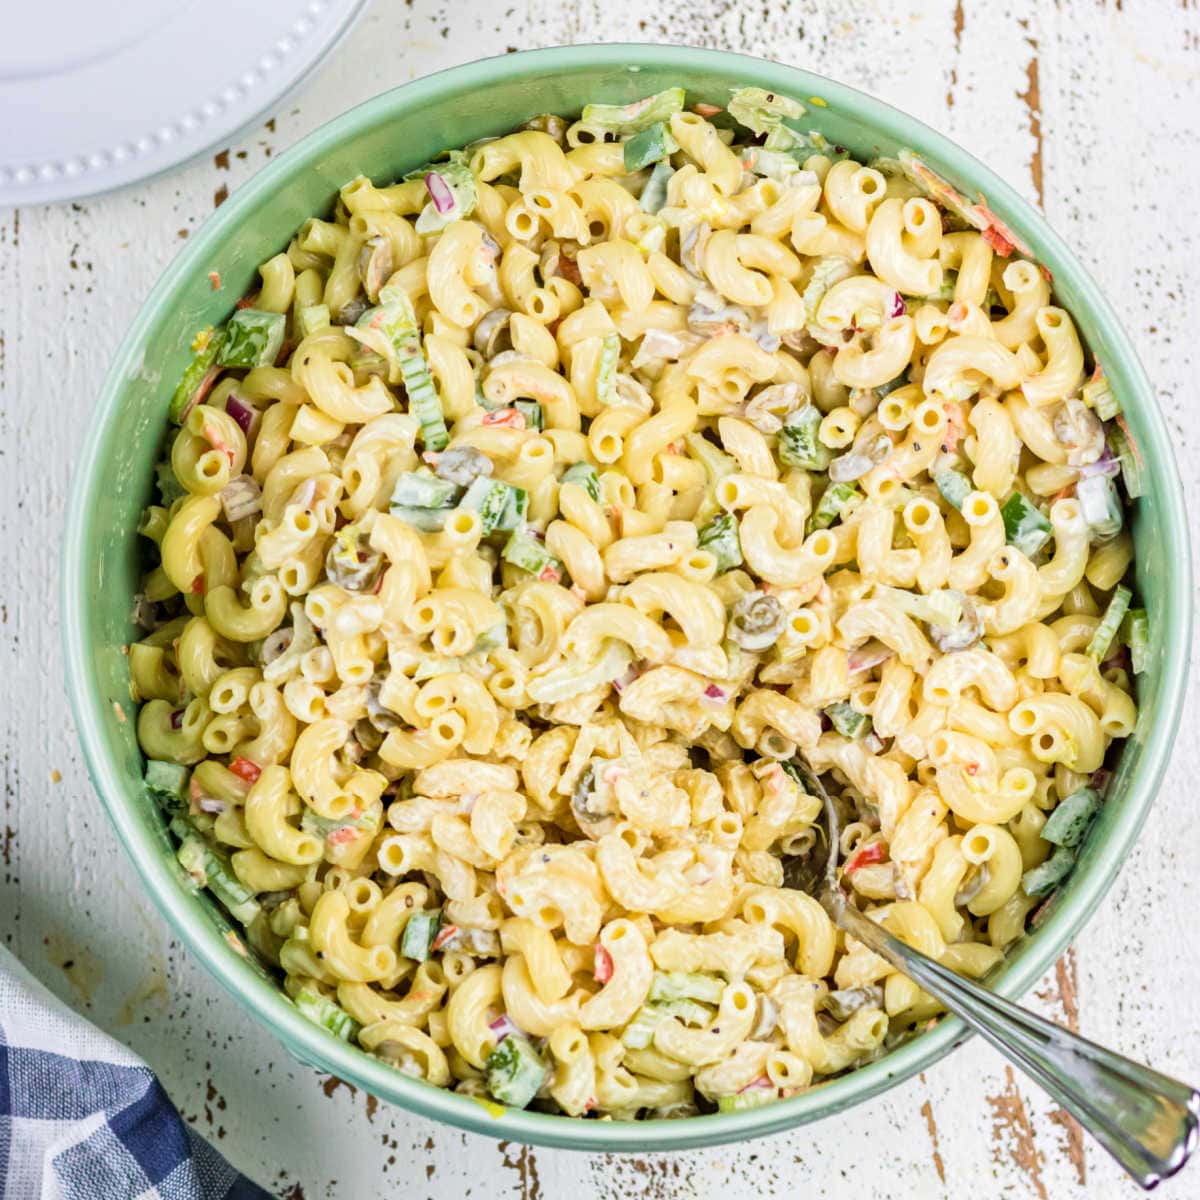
(1119, 90)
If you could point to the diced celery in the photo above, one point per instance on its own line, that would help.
(515, 1071)
(1136, 631)
(209, 870)
(311, 318)
(798, 445)
(167, 783)
(848, 721)
(423, 489)
(686, 985)
(1069, 821)
(585, 475)
(720, 538)
(1101, 507)
(639, 1033)
(501, 506)
(954, 486)
(750, 1098)
(1045, 877)
(427, 520)
(716, 462)
(837, 500)
(531, 410)
(633, 118)
(688, 1011)
(419, 934)
(525, 551)
(654, 194)
(1128, 457)
(606, 373)
(196, 374)
(762, 112)
(652, 145)
(942, 606)
(327, 1014)
(1106, 631)
(395, 318)
(1100, 398)
(1024, 526)
(825, 273)
(253, 338)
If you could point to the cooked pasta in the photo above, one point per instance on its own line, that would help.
(539, 524)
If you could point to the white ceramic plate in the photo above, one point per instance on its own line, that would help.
(95, 94)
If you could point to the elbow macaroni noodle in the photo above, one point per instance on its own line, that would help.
(465, 775)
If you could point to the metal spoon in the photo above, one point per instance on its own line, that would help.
(1145, 1120)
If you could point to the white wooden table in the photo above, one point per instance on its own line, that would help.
(1091, 111)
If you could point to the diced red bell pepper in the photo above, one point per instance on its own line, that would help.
(603, 968)
(243, 768)
(874, 853)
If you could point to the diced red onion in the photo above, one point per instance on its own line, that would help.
(1107, 465)
(275, 644)
(873, 743)
(1100, 779)
(755, 1085)
(241, 497)
(503, 1027)
(712, 692)
(211, 804)
(869, 654)
(177, 719)
(243, 414)
(439, 192)
(899, 308)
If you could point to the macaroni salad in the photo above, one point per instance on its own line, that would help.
(537, 524)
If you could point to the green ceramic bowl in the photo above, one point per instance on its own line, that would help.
(383, 138)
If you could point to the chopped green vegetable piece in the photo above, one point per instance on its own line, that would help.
(1106, 631)
(716, 462)
(687, 1011)
(686, 985)
(423, 489)
(825, 273)
(1068, 823)
(606, 373)
(210, 870)
(1045, 877)
(848, 721)
(652, 145)
(1136, 632)
(1100, 398)
(427, 520)
(1101, 507)
(455, 181)
(798, 445)
(750, 1098)
(167, 783)
(515, 1071)
(395, 319)
(633, 118)
(837, 500)
(1024, 526)
(197, 375)
(654, 194)
(525, 551)
(774, 164)
(311, 318)
(762, 112)
(586, 476)
(942, 606)
(639, 1033)
(720, 538)
(1128, 457)
(420, 933)
(954, 486)
(501, 506)
(532, 412)
(327, 1014)
(253, 338)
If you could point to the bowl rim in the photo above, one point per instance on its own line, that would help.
(316, 1047)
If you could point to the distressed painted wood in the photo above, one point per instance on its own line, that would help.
(1091, 110)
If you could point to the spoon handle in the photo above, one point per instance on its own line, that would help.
(1144, 1119)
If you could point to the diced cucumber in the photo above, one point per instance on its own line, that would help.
(327, 1014)
(720, 538)
(427, 520)
(515, 1071)
(586, 476)
(838, 500)
(1067, 824)
(954, 486)
(525, 551)
(501, 507)
(422, 489)
(531, 410)
(798, 445)
(167, 783)
(311, 318)
(253, 338)
(848, 721)
(1045, 877)
(1106, 631)
(420, 933)
(1024, 526)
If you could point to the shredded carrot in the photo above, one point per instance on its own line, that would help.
(214, 278)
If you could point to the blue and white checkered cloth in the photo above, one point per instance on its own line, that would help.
(83, 1118)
